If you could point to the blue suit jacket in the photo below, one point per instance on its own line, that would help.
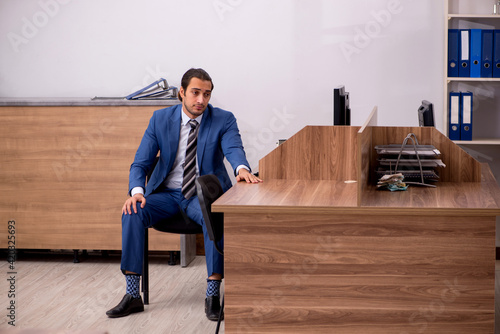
(218, 137)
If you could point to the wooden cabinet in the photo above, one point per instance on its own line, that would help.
(64, 174)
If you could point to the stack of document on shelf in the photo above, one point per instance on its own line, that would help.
(156, 90)
(460, 115)
(474, 53)
(414, 162)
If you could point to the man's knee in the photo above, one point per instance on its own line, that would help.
(134, 220)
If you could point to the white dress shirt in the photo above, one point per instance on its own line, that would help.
(174, 178)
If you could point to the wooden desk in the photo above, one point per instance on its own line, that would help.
(65, 169)
(312, 255)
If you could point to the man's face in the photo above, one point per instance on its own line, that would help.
(196, 97)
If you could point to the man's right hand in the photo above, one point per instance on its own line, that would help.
(131, 203)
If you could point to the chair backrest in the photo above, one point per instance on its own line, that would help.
(208, 189)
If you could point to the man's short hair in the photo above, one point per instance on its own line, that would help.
(194, 73)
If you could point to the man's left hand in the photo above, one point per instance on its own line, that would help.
(245, 175)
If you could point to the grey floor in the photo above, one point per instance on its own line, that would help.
(52, 292)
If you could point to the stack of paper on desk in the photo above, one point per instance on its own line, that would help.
(414, 162)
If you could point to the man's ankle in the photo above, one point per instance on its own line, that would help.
(130, 273)
(215, 277)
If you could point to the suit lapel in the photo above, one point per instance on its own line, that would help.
(174, 128)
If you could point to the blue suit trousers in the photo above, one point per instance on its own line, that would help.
(160, 205)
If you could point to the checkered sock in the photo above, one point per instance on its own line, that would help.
(133, 285)
(213, 288)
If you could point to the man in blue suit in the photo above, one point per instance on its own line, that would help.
(172, 132)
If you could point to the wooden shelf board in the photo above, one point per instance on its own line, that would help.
(471, 79)
(480, 141)
(474, 16)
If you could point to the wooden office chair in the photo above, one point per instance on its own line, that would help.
(208, 189)
(178, 224)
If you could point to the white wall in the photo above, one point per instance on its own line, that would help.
(271, 61)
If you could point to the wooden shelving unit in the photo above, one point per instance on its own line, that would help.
(455, 18)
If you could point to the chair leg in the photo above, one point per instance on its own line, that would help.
(75, 256)
(145, 269)
(188, 249)
(172, 260)
(220, 316)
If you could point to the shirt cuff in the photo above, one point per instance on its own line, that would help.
(137, 190)
(240, 167)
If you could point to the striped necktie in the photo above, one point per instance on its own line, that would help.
(188, 186)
